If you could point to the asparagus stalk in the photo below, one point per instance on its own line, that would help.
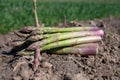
(30, 29)
(63, 36)
(88, 45)
(36, 38)
(71, 29)
(82, 49)
(53, 29)
(68, 42)
(32, 38)
(25, 52)
(36, 58)
(39, 37)
(57, 37)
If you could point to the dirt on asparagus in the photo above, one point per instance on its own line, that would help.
(103, 66)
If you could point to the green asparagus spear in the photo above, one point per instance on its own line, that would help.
(54, 29)
(82, 49)
(63, 36)
(68, 42)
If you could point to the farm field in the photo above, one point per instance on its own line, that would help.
(84, 46)
(18, 13)
(102, 66)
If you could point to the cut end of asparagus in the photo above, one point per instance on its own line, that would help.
(85, 51)
(100, 32)
(89, 51)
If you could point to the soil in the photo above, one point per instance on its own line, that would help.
(103, 66)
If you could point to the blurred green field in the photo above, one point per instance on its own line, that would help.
(15, 14)
(95, 1)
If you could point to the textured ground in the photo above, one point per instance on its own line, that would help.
(103, 66)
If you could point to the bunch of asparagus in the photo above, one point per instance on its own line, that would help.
(71, 40)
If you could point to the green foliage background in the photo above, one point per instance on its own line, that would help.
(15, 14)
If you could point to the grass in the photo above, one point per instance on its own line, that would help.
(95, 1)
(15, 14)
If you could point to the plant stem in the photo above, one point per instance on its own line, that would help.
(35, 13)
